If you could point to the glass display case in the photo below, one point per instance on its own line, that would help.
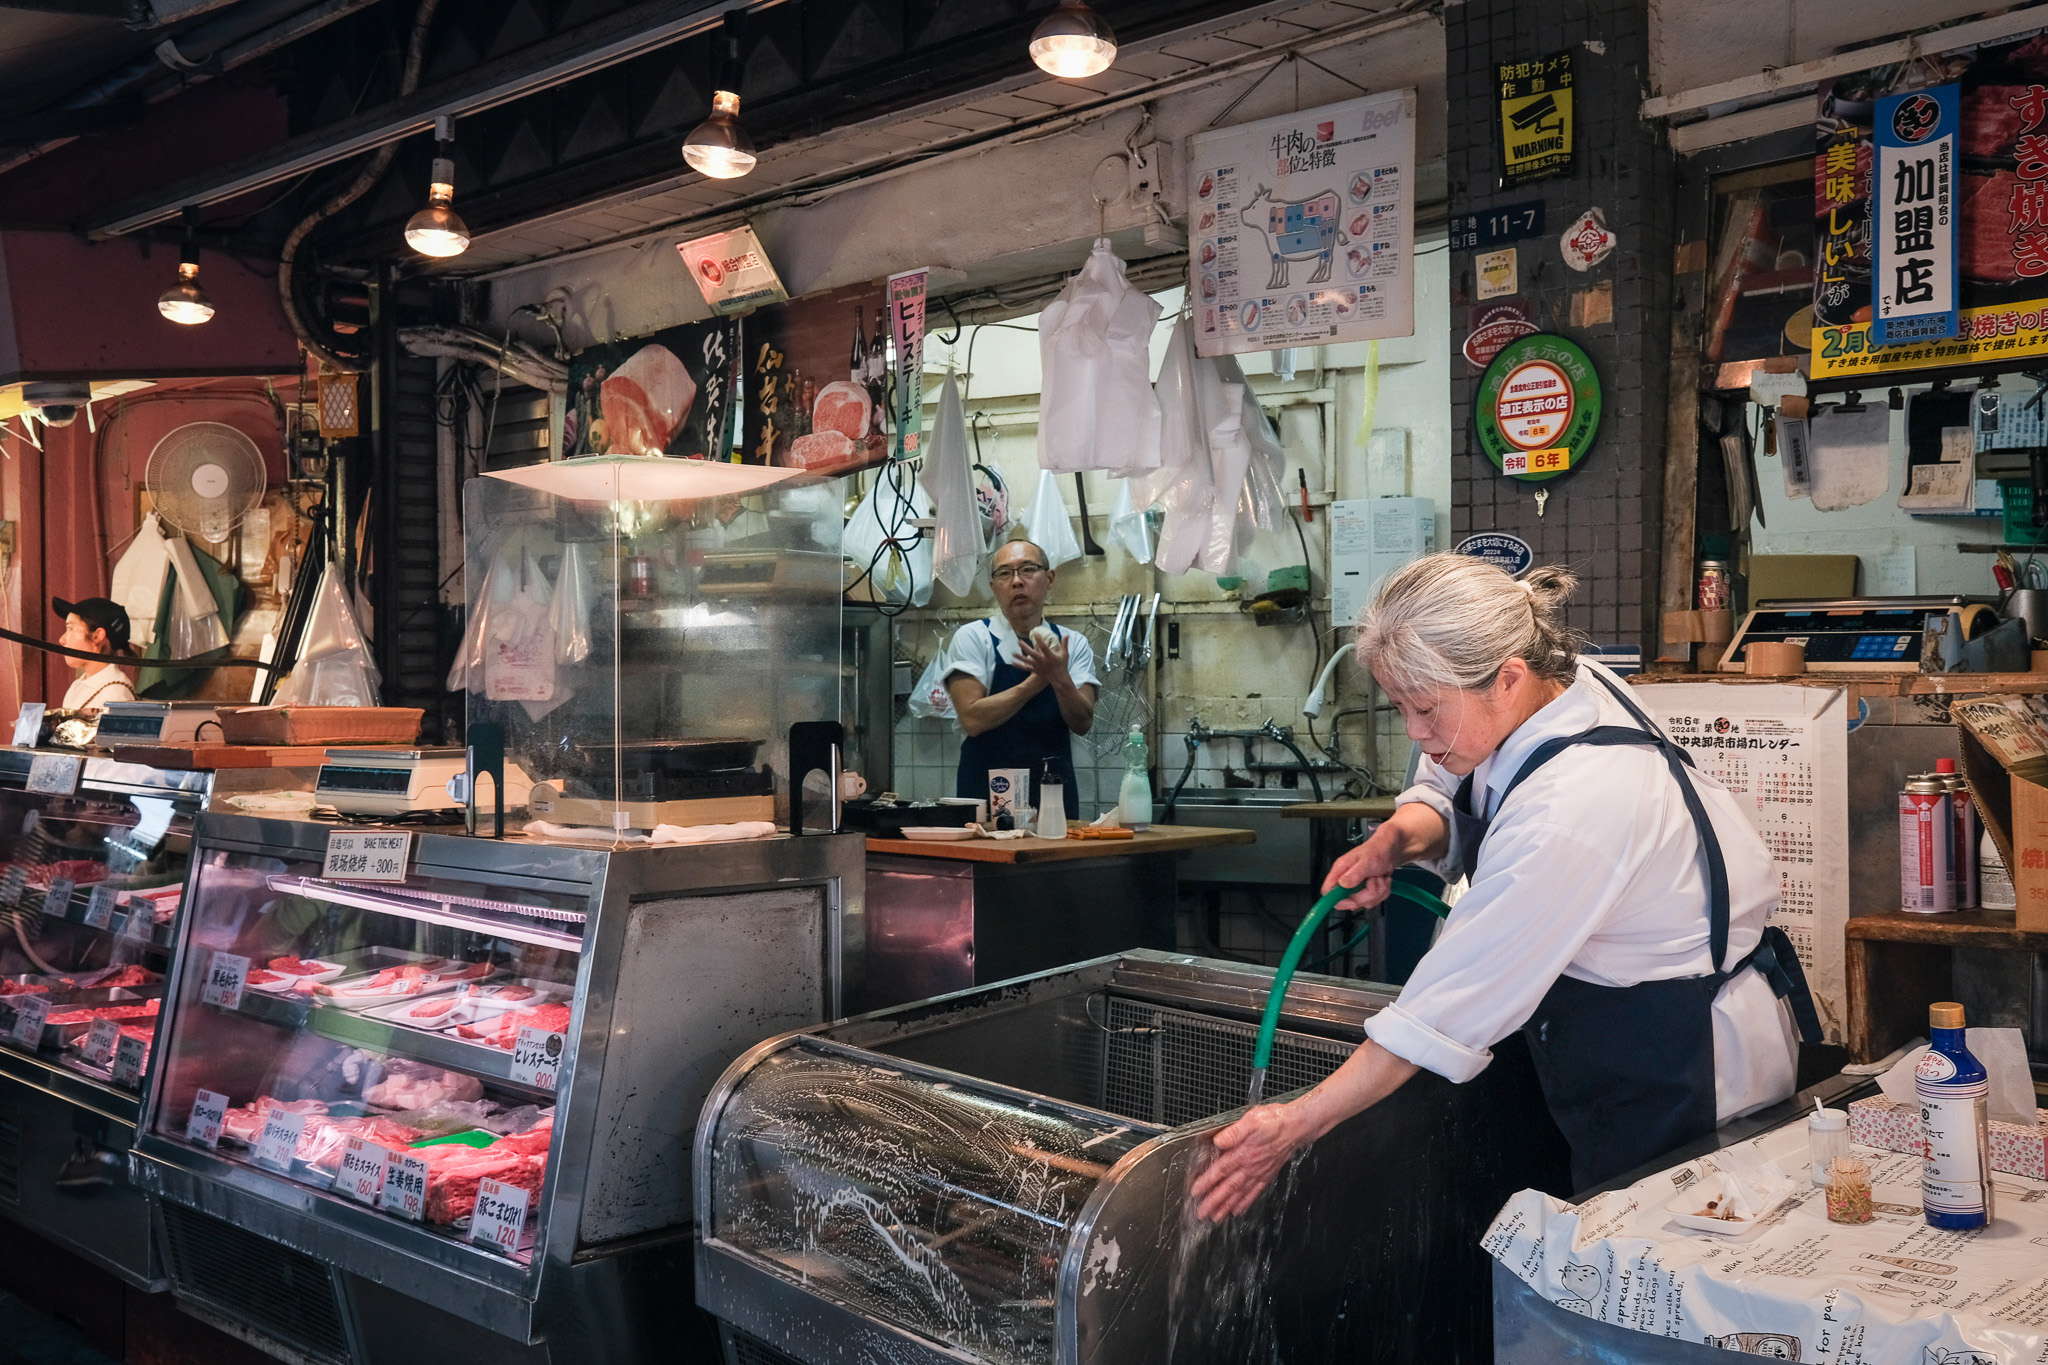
(464, 1098)
(93, 858)
(646, 656)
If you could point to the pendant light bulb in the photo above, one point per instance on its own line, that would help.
(1073, 42)
(437, 230)
(185, 303)
(719, 147)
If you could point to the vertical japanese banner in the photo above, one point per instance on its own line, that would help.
(906, 333)
(1782, 750)
(1913, 217)
(1992, 115)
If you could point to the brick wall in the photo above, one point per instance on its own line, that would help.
(1602, 518)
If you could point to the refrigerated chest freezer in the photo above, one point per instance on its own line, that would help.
(999, 1176)
(457, 1108)
(93, 856)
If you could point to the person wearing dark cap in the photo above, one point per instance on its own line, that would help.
(99, 625)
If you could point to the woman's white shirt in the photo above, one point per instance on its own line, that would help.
(97, 688)
(1592, 871)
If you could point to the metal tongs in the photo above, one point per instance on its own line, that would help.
(1138, 652)
(1119, 634)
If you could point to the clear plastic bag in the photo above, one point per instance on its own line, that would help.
(334, 666)
(1048, 524)
(570, 613)
(1097, 410)
(881, 540)
(930, 700)
(1128, 525)
(957, 546)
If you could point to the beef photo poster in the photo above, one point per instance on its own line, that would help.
(817, 381)
(667, 394)
(1871, 215)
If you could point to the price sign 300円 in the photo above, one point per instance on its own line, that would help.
(1538, 408)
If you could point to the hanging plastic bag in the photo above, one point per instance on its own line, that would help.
(1128, 526)
(195, 625)
(519, 663)
(1182, 487)
(334, 667)
(467, 673)
(930, 700)
(1048, 525)
(881, 540)
(138, 580)
(957, 546)
(1094, 353)
(570, 613)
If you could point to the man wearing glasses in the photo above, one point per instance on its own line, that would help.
(1021, 686)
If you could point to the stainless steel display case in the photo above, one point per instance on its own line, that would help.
(671, 962)
(72, 858)
(1000, 1175)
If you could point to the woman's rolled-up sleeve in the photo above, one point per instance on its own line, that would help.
(1544, 891)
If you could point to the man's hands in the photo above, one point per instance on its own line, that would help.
(1047, 663)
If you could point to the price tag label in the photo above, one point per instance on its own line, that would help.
(405, 1187)
(99, 907)
(500, 1216)
(12, 885)
(54, 774)
(224, 976)
(281, 1131)
(537, 1057)
(367, 855)
(28, 724)
(209, 1112)
(58, 900)
(30, 1011)
(129, 1056)
(141, 921)
(362, 1171)
(100, 1041)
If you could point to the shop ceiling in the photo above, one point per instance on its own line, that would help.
(569, 113)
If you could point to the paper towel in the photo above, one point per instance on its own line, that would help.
(2004, 1054)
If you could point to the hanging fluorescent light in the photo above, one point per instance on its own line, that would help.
(185, 303)
(719, 147)
(437, 230)
(1073, 42)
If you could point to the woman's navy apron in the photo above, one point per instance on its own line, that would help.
(1628, 1071)
(1037, 732)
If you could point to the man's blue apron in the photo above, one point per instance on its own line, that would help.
(1037, 732)
(1628, 1071)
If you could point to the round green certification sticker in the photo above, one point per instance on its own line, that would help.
(1538, 408)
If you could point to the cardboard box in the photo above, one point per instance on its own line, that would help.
(1698, 627)
(1877, 1122)
(2004, 759)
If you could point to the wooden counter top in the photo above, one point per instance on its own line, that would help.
(186, 757)
(1362, 808)
(1032, 849)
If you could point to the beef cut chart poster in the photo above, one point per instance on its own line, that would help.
(1901, 206)
(818, 381)
(1301, 229)
(671, 393)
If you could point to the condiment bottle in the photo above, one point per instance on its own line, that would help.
(1995, 889)
(1052, 804)
(1955, 1182)
(1134, 795)
(1848, 1193)
(1827, 1137)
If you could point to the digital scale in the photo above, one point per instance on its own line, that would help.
(1855, 634)
(155, 722)
(395, 781)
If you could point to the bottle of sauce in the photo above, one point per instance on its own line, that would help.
(1052, 804)
(1955, 1182)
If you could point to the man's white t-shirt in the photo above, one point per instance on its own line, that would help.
(91, 691)
(973, 651)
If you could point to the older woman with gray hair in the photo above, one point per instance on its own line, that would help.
(1616, 903)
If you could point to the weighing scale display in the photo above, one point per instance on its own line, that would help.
(130, 725)
(1866, 635)
(394, 780)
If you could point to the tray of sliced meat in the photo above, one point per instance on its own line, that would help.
(67, 1023)
(408, 981)
(503, 1030)
(282, 974)
(489, 1000)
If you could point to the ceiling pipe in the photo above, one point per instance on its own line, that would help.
(197, 55)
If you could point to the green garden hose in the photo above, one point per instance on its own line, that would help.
(1276, 998)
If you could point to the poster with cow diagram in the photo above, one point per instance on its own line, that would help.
(1301, 229)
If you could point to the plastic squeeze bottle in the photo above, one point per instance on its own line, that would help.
(1052, 804)
(1955, 1182)
(1134, 796)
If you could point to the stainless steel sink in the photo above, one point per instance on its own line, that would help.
(1283, 855)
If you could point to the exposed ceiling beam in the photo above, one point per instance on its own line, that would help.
(593, 47)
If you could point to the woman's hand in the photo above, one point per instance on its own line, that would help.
(1414, 832)
(1249, 1153)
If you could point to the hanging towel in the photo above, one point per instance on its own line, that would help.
(1097, 410)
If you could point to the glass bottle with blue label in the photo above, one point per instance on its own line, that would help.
(1955, 1183)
